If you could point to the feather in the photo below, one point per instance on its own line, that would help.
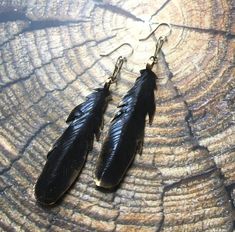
(126, 134)
(68, 155)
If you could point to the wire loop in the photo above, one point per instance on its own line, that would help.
(161, 40)
(116, 72)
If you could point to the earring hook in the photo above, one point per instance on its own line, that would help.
(124, 44)
(163, 36)
(118, 66)
(119, 63)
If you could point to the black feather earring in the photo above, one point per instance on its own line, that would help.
(68, 155)
(126, 133)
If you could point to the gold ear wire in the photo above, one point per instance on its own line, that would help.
(118, 66)
(124, 44)
(119, 63)
(163, 38)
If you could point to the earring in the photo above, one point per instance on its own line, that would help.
(68, 155)
(126, 133)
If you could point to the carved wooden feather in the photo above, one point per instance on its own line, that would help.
(126, 133)
(68, 155)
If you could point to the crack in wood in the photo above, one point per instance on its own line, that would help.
(161, 224)
(229, 188)
(118, 10)
(212, 31)
(12, 16)
(42, 25)
(189, 116)
(160, 8)
(205, 174)
(169, 73)
(34, 25)
(191, 178)
(188, 119)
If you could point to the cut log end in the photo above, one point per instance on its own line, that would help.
(50, 61)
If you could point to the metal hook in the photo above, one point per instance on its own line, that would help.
(127, 44)
(118, 66)
(163, 36)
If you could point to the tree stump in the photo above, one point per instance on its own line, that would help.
(50, 61)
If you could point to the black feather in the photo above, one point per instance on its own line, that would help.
(126, 133)
(69, 153)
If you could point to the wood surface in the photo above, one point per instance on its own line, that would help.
(50, 61)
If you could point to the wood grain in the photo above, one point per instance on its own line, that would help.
(49, 62)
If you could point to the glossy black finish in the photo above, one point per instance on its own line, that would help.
(126, 134)
(69, 153)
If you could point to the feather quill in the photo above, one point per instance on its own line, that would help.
(126, 133)
(68, 155)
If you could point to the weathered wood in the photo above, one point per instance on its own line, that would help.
(185, 179)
